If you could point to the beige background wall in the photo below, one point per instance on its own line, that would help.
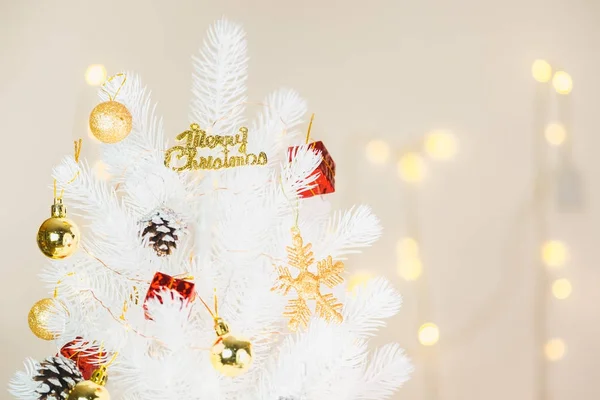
(379, 69)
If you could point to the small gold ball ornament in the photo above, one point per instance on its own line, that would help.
(38, 318)
(92, 389)
(110, 122)
(58, 236)
(230, 355)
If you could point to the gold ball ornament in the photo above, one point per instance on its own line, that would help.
(92, 389)
(110, 122)
(58, 236)
(230, 355)
(38, 318)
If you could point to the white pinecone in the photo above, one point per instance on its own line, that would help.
(162, 229)
(56, 377)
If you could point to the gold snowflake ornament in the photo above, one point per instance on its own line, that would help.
(308, 284)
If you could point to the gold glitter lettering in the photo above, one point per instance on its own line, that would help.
(195, 138)
(262, 158)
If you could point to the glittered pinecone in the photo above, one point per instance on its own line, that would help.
(162, 230)
(56, 377)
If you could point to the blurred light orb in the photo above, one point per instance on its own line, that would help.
(541, 71)
(429, 334)
(562, 82)
(412, 167)
(378, 151)
(95, 74)
(407, 246)
(555, 349)
(555, 133)
(561, 288)
(358, 279)
(410, 268)
(554, 253)
(441, 145)
(101, 170)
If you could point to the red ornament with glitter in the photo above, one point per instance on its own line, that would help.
(162, 282)
(87, 358)
(325, 181)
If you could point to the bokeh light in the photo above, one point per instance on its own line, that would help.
(378, 151)
(101, 170)
(429, 334)
(541, 70)
(407, 246)
(95, 74)
(555, 349)
(562, 82)
(412, 167)
(561, 288)
(555, 133)
(554, 253)
(409, 263)
(358, 279)
(410, 267)
(441, 145)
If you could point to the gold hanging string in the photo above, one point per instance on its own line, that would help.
(76, 154)
(296, 207)
(216, 302)
(119, 75)
(207, 307)
(312, 117)
(112, 359)
(214, 314)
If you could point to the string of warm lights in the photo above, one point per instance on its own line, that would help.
(554, 253)
(413, 168)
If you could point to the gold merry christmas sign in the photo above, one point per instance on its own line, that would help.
(195, 138)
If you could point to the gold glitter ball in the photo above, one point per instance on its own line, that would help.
(110, 122)
(38, 318)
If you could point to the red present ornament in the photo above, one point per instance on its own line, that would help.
(162, 282)
(325, 181)
(87, 359)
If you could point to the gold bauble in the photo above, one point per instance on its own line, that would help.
(110, 122)
(231, 355)
(58, 236)
(88, 390)
(38, 318)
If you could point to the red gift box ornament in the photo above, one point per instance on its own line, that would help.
(162, 282)
(88, 359)
(325, 181)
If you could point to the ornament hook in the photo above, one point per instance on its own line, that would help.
(221, 327)
(119, 75)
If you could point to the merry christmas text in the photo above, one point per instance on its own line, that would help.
(196, 138)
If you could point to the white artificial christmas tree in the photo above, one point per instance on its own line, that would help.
(230, 231)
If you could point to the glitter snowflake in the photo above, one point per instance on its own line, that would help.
(308, 285)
